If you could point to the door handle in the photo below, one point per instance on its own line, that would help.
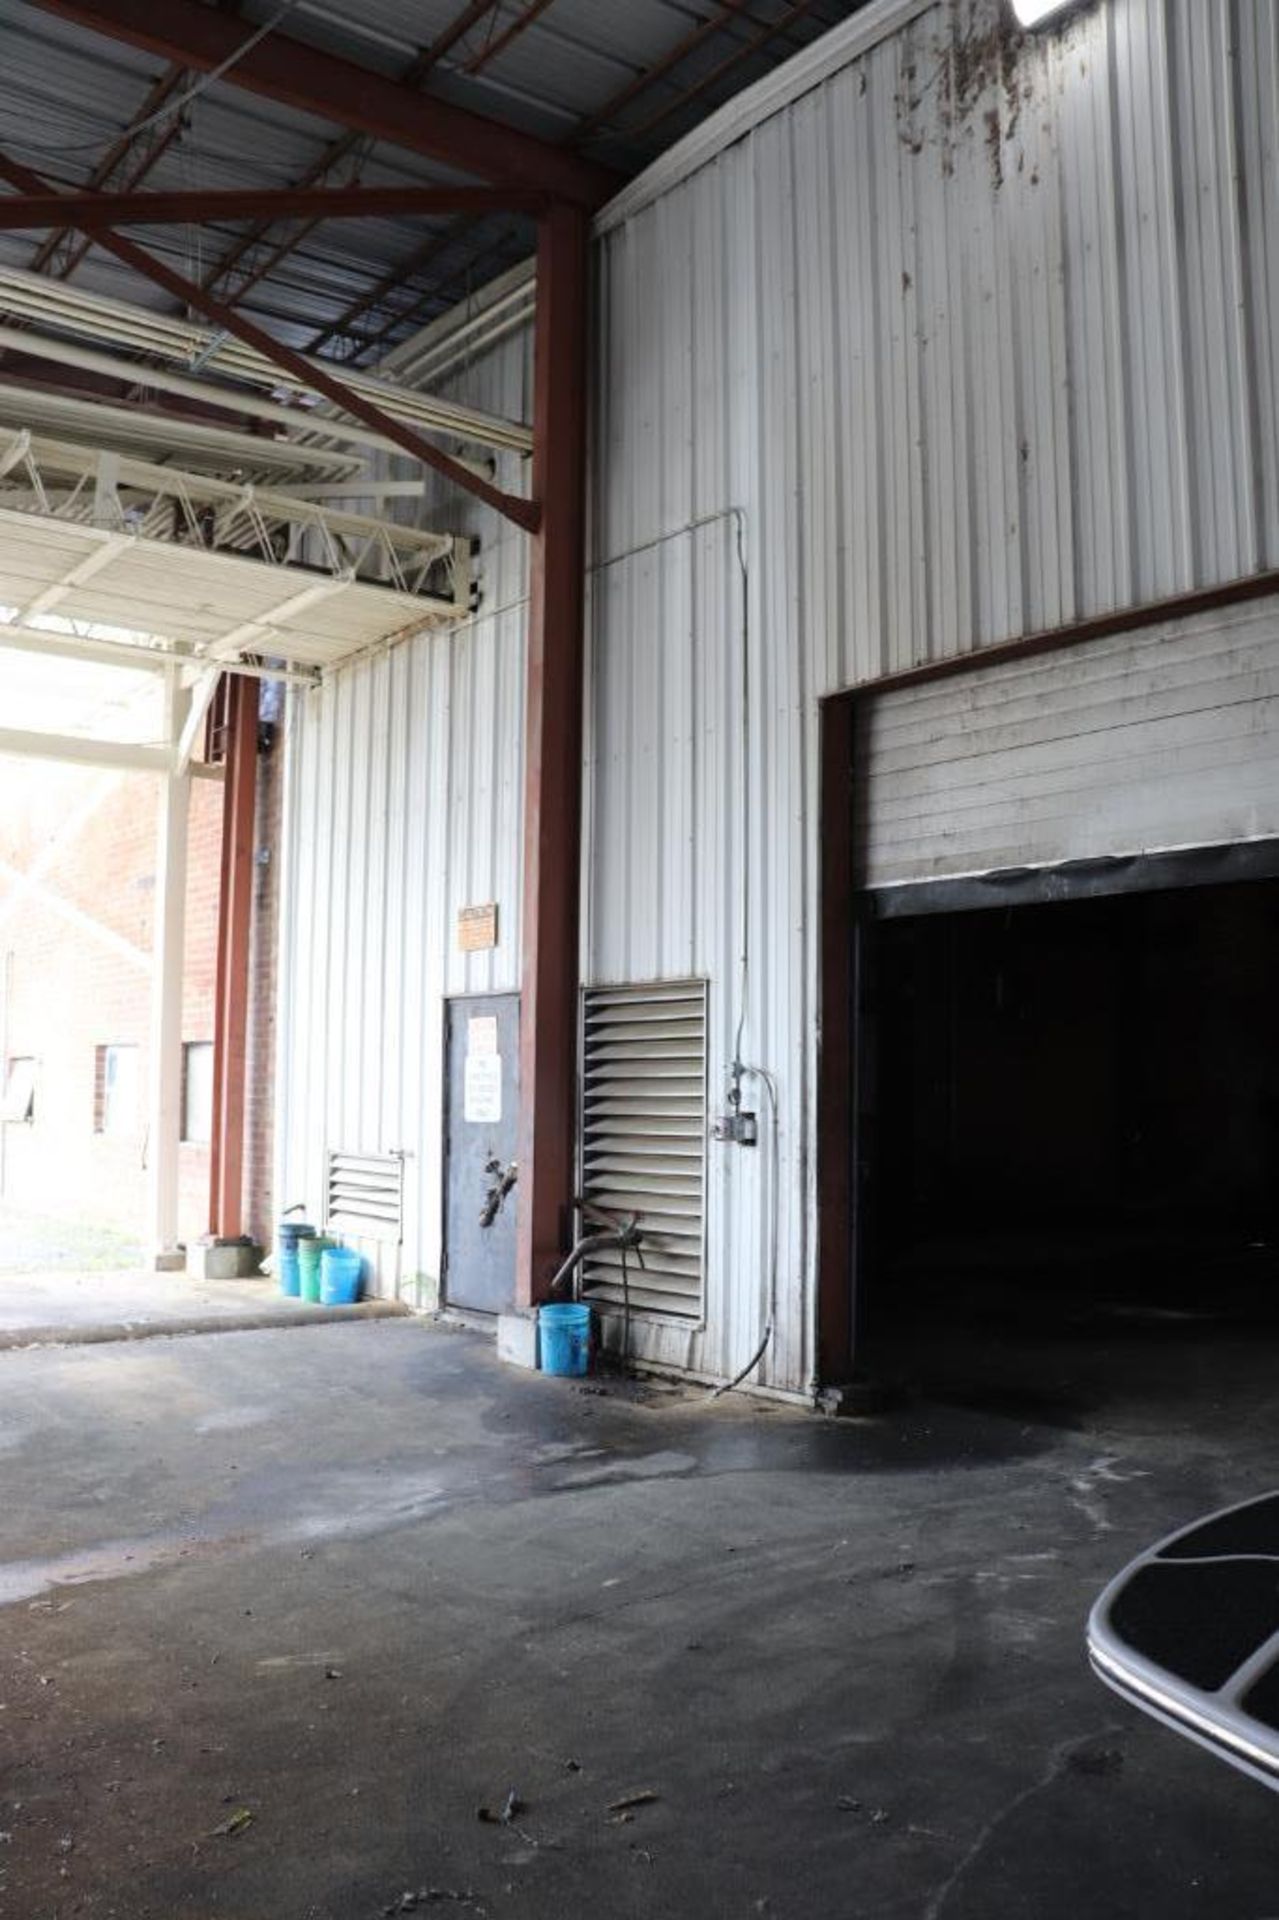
(501, 1180)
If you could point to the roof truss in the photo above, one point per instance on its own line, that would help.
(523, 512)
(299, 75)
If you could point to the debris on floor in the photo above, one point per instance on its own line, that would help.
(641, 1797)
(234, 1823)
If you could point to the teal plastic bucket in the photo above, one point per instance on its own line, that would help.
(341, 1270)
(286, 1261)
(309, 1253)
(564, 1338)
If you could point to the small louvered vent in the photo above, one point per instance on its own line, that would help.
(644, 1138)
(365, 1194)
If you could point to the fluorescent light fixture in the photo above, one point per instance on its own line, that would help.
(1030, 13)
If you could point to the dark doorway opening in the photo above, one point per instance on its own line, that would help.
(1069, 1120)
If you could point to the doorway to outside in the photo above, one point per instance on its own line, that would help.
(1048, 1102)
(1069, 1123)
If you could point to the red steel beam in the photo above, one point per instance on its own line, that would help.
(235, 919)
(338, 150)
(673, 57)
(836, 1117)
(758, 40)
(308, 373)
(93, 212)
(472, 273)
(291, 71)
(394, 277)
(459, 26)
(553, 757)
(520, 24)
(116, 153)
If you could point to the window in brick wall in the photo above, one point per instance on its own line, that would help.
(115, 1090)
(197, 1091)
(19, 1102)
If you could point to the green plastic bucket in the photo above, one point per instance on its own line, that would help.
(309, 1252)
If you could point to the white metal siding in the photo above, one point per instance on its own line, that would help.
(1137, 743)
(404, 803)
(982, 333)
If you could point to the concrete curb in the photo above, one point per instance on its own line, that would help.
(100, 1333)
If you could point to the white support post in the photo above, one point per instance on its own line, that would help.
(200, 700)
(168, 955)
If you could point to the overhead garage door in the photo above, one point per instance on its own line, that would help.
(1137, 743)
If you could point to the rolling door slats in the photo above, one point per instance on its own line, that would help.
(643, 1140)
(1133, 745)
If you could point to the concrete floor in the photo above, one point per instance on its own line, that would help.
(67, 1282)
(280, 1611)
(31, 1302)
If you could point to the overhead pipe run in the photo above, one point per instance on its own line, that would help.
(524, 513)
(191, 439)
(52, 305)
(231, 399)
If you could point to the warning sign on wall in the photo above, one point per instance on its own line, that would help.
(477, 928)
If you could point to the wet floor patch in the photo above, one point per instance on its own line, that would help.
(234, 1419)
(107, 1560)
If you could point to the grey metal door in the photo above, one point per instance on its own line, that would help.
(481, 1117)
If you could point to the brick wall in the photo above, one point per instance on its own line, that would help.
(79, 941)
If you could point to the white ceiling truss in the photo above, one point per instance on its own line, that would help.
(135, 556)
(138, 534)
(102, 487)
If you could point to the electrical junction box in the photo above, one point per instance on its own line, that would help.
(736, 1129)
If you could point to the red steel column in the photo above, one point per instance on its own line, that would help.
(836, 1095)
(235, 914)
(553, 756)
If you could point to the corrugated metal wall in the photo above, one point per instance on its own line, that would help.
(981, 334)
(404, 803)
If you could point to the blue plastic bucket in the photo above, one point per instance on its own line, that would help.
(286, 1261)
(564, 1337)
(341, 1270)
(290, 1232)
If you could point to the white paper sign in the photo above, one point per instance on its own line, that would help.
(482, 1094)
(481, 1033)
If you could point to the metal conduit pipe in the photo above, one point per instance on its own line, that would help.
(588, 1244)
(623, 1234)
(47, 304)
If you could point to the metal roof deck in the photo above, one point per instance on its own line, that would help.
(604, 78)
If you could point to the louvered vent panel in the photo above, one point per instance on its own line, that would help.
(644, 1138)
(365, 1194)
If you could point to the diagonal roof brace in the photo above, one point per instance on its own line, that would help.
(524, 513)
